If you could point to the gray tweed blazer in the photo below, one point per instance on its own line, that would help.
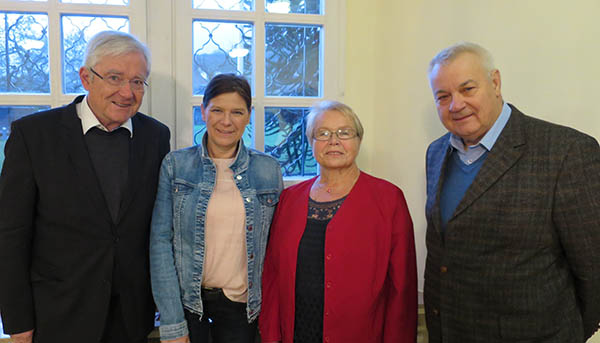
(520, 258)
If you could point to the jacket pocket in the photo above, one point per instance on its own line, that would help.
(268, 198)
(529, 326)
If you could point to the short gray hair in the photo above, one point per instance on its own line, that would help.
(452, 52)
(113, 43)
(329, 105)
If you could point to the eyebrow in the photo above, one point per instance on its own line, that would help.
(120, 73)
(459, 86)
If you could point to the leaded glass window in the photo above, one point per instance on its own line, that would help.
(76, 32)
(221, 47)
(7, 115)
(24, 53)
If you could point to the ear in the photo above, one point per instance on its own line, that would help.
(496, 82)
(203, 111)
(86, 78)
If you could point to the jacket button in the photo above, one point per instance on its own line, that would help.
(436, 312)
(269, 201)
(328, 256)
(251, 256)
(250, 228)
(328, 284)
(327, 339)
(239, 177)
(248, 199)
(443, 269)
(250, 284)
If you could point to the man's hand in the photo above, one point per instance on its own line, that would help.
(184, 339)
(23, 337)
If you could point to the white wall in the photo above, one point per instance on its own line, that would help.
(547, 51)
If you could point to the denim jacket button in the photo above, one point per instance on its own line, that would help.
(239, 177)
(248, 199)
(250, 228)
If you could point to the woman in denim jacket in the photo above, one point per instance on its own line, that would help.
(210, 225)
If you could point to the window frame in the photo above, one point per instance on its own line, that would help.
(135, 11)
(331, 64)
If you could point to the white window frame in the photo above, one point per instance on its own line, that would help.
(331, 22)
(136, 12)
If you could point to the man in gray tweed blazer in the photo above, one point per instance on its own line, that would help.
(513, 216)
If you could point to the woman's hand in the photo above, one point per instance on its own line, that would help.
(184, 339)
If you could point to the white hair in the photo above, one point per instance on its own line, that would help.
(113, 43)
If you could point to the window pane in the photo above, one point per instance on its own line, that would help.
(231, 5)
(97, 2)
(285, 140)
(200, 128)
(292, 60)
(7, 115)
(24, 53)
(221, 47)
(293, 6)
(76, 32)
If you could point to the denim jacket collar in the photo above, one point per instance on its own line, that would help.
(240, 163)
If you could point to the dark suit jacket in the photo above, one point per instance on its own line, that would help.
(58, 242)
(520, 258)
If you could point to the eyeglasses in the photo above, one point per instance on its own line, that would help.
(343, 134)
(118, 81)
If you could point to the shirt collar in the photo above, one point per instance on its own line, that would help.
(490, 138)
(89, 120)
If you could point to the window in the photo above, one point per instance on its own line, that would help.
(285, 48)
(41, 50)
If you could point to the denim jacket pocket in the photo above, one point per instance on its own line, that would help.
(268, 198)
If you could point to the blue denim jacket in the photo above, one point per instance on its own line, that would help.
(187, 179)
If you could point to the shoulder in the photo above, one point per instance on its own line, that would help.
(257, 157)
(42, 119)
(148, 122)
(380, 188)
(551, 136)
(298, 188)
(439, 145)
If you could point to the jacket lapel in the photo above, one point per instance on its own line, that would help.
(507, 150)
(137, 149)
(74, 143)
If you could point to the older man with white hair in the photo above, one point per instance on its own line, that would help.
(76, 195)
(513, 217)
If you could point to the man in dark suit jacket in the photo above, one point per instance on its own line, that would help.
(76, 196)
(513, 216)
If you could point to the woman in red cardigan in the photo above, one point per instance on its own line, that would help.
(340, 264)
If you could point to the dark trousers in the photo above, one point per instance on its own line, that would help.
(224, 321)
(114, 331)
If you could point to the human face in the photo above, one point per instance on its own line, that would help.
(467, 98)
(226, 117)
(114, 105)
(335, 153)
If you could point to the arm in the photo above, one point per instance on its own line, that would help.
(18, 192)
(576, 215)
(165, 283)
(401, 313)
(269, 319)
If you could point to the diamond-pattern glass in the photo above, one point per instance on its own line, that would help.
(292, 60)
(200, 128)
(228, 5)
(285, 140)
(76, 32)
(24, 53)
(293, 6)
(97, 2)
(7, 115)
(221, 47)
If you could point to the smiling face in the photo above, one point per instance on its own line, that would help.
(335, 153)
(226, 117)
(467, 97)
(114, 105)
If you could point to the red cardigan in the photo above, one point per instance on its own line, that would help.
(370, 267)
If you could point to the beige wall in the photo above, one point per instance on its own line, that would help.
(548, 53)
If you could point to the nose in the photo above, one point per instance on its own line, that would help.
(457, 103)
(333, 139)
(125, 90)
(226, 118)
